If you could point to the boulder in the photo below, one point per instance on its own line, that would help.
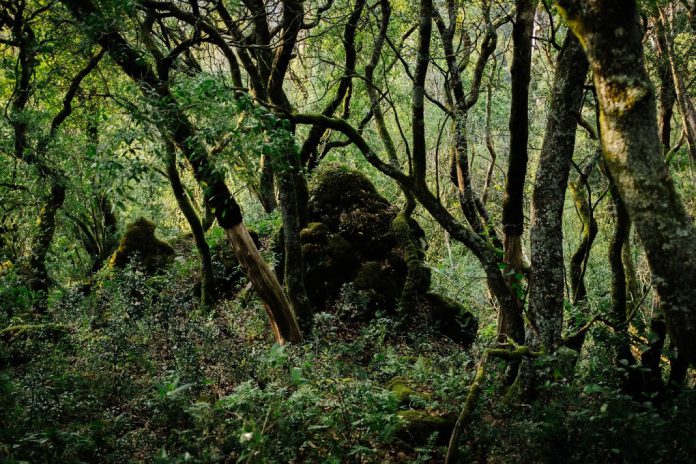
(356, 237)
(140, 244)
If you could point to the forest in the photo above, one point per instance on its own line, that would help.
(360, 231)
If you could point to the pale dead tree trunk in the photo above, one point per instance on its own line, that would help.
(686, 106)
(546, 286)
(611, 36)
(174, 124)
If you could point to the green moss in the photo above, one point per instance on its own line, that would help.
(369, 276)
(418, 276)
(399, 387)
(24, 331)
(140, 241)
(340, 249)
(315, 232)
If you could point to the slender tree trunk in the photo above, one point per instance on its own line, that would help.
(619, 310)
(513, 203)
(267, 186)
(489, 145)
(632, 153)
(46, 223)
(667, 93)
(579, 192)
(187, 209)
(294, 263)
(546, 287)
(686, 106)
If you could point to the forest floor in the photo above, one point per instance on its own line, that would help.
(133, 372)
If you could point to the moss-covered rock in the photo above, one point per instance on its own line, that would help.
(315, 232)
(25, 331)
(402, 391)
(356, 237)
(452, 319)
(139, 243)
(418, 426)
(347, 202)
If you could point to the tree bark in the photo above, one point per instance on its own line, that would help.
(579, 191)
(546, 285)
(611, 35)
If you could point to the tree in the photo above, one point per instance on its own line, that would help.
(175, 126)
(611, 35)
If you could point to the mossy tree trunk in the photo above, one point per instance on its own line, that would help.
(46, 224)
(546, 286)
(189, 212)
(293, 269)
(619, 294)
(611, 35)
(288, 169)
(174, 124)
(581, 193)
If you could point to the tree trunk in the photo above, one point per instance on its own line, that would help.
(266, 186)
(686, 106)
(187, 209)
(611, 35)
(667, 93)
(46, 223)
(577, 188)
(619, 310)
(293, 270)
(546, 286)
(513, 203)
(265, 283)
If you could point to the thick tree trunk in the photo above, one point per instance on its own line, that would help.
(546, 287)
(611, 35)
(187, 209)
(293, 270)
